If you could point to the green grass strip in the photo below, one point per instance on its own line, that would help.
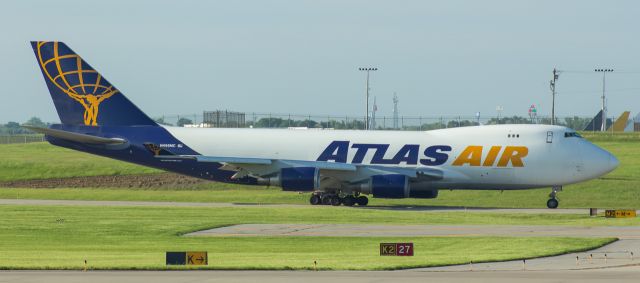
(62, 237)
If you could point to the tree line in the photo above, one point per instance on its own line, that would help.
(14, 128)
(577, 123)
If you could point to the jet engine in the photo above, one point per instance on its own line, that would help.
(295, 179)
(395, 186)
(387, 186)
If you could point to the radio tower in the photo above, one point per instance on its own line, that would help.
(395, 110)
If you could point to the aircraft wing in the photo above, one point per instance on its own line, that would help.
(243, 162)
(345, 172)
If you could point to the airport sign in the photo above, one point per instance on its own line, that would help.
(197, 258)
(620, 213)
(187, 258)
(396, 249)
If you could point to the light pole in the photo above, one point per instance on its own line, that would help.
(395, 111)
(366, 116)
(604, 108)
(552, 84)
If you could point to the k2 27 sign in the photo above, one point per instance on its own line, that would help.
(396, 249)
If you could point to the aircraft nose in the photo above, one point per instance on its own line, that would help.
(613, 162)
(599, 160)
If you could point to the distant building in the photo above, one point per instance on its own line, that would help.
(223, 119)
(201, 125)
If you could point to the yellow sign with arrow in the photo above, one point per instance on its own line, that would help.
(197, 258)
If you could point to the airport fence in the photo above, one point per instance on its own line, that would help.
(21, 138)
(408, 123)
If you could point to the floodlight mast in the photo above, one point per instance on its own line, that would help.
(604, 108)
(395, 111)
(366, 116)
(552, 84)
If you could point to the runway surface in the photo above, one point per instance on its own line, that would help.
(622, 275)
(622, 253)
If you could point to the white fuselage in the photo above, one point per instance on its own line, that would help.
(551, 157)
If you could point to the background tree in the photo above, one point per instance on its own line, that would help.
(162, 122)
(184, 121)
(36, 122)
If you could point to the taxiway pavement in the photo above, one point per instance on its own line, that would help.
(621, 275)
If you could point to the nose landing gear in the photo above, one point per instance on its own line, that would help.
(553, 202)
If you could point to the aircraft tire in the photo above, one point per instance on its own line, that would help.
(362, 201)
(315, 199)
(348, 201)
(335, 201)
(552, 203)
(326, 200)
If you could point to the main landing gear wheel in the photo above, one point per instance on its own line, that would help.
(326, 200)
(335, 201)
(348, 201)
(362, 201)
(315, 199)
(553, 202)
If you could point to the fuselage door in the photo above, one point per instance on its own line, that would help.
(549, 137)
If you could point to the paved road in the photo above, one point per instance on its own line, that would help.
(214, 204)
(617, 254)
(364, 230)
(622, 275)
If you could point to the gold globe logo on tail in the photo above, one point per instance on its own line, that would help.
(85, 86)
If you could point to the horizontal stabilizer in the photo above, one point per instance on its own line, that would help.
(76, 137)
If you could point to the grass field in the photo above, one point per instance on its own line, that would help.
(619, 189)
(43, 161)
(61, 237)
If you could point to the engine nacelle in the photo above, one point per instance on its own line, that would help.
(295, 179)
(387, 186)
(395, 186)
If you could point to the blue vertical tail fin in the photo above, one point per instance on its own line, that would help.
(82, 96)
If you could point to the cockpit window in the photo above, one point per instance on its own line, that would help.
(572, 134)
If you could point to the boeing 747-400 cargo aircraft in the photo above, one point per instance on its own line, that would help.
(336, 166)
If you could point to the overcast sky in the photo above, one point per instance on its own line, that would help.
(441, 57)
